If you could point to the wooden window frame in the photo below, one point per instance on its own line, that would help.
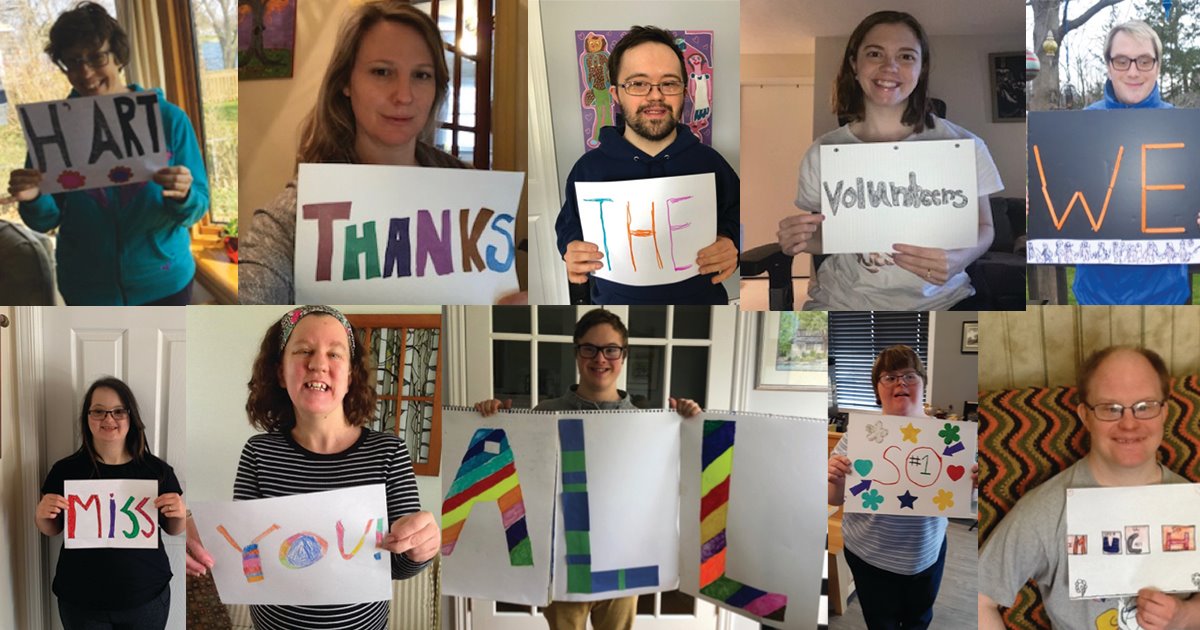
(483, 80)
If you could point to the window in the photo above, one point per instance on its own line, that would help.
(856, 338)
(215, 26)
(466, 27)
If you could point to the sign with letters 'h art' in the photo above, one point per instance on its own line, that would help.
(95, 141)
(874, 195)
(116, 513)
(368, 234)
(1114, 187)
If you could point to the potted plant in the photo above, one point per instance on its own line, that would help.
(231, 240)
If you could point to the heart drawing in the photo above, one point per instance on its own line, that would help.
(955, 472)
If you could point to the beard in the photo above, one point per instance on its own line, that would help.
(653, 130)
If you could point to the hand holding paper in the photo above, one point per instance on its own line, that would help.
(24, 184)
(719, 258)
(176, 182)
(582, 258)
(171, 505)
(799, 233)
(199, 561)
(47, 511)
(416, 536)
(930, 264)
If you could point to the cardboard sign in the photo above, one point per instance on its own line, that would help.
(95, 141)
(368, 234)
(874, 195)
(317, 548)
(1120, 540)
(910, 466)
(649, 230)
(1114, 187)
(116, 513)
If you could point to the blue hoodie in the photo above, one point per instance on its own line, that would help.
(126, 245)
(1131, 284)
(617, 160)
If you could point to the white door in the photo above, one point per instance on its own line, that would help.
(144, 346)
(679, 351)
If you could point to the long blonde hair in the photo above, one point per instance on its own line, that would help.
(329, 130)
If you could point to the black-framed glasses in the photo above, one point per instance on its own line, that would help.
(672, 87)
(119, 414)
(1142, 410)
(589, 351)
(1144, 62)
(909, 378)
(97, 59)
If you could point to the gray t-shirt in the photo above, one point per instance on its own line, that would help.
(1031, 543)
(853, 282)
(571, 401)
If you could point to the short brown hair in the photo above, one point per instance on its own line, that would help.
(270, 408)
(1093, 362)
(88, 24)
(892, 359)
(637, 36)
(599, 316)
(848, 94)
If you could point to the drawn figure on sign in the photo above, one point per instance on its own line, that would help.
(876, 432)
(1196, 579)
(597, 97)
(136, 581)
(699, 89)
(601, 347)
(312, 392)
(1179, 537)
(899, 377)
(108, 252)
(1121, 399)
(1076, 545)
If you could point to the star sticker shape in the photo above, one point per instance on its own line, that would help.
(907, 499)
(910, 433)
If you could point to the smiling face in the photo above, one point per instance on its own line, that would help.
(89, 81)
(316, 367)
(900, 398)
(392, 90)
(598, 374)
(1125, 377)
(1131, 85)
(888, 65)
(654, 115)
(109, 431)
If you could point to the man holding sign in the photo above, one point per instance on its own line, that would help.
(651, 81)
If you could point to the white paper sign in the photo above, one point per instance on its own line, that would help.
(875, 195)
(110, 513)
(317, 548)
(498, 488)
(95, 141)
(368, 234)
(649, 230)
(910, 466)
(1121, 540)
(752, 515)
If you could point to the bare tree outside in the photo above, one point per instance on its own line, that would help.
(1048, 19)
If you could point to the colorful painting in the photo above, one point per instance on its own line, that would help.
(266, 38)
(600, 109)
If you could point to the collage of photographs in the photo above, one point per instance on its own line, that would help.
(541, 307)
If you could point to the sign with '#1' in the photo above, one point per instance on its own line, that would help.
(649, 230)
(111, 513)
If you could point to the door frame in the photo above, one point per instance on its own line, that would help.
(31, 412)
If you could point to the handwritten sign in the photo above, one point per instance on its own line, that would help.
(875, 195)
(1114, 187)
(1120, 540)
(649, 230)
(317, 548)
(116, 513)
(95, 141)
(368, 234)
(910, 466)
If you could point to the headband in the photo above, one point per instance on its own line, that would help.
(289, 320)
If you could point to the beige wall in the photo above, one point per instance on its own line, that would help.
(1045, 344)
(13, 520)
(954, 376)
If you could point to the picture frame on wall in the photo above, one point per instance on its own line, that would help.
(793, 351)
(1007, 74)
(266, 39)
(970, 338)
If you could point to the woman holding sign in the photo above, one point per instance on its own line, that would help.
(312, 393)
(121, 245)
(134, 591)
(882, 88)
(897, 561)
(377, 105)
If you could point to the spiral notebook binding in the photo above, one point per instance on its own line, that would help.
(620, 411)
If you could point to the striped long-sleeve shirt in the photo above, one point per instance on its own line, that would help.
(274, 465)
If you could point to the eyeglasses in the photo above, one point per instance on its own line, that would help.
(119, 414)
(909, 378)
(589, 351)
(642, 88)
(1144, 62)
(1142, 410)
(92, 60)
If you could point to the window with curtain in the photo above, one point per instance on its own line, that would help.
(856, 338)
(215, 36)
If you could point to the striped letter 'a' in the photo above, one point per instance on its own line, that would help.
(488, 473)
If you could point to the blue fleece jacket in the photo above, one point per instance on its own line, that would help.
(617, 160)
(126, 245)
(1131, 284)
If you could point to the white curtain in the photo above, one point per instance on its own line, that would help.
(139, 18)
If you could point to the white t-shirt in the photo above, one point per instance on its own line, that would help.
(852, 282)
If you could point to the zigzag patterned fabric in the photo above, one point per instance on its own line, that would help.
(716, 465)
(486, 476)
(1028, 435)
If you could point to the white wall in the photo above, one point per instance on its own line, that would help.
(959, 76)
(14, 521)
(954, 375)
(786, 403)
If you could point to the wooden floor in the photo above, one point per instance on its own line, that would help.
(957, 602)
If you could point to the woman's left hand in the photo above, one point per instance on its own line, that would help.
(171, 505)
(416, 536)
(931, 264)
(686, 407)
(176, 182)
